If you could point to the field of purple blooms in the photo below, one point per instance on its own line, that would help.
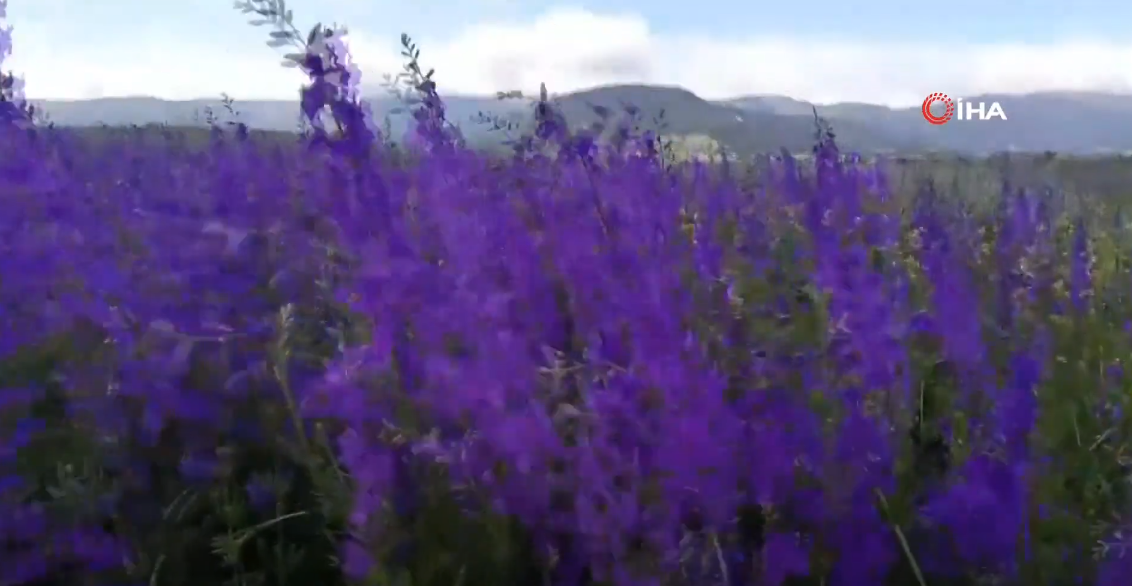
(344, 362)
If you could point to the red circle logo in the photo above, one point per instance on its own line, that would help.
(949, 110)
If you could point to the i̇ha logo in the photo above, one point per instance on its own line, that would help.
(955, 109)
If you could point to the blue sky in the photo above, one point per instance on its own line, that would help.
(881, 51)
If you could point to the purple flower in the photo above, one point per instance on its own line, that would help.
(784, 556)
(1080, 280)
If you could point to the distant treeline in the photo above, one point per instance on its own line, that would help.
(1105, 177)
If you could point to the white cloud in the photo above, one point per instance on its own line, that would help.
(571, 49)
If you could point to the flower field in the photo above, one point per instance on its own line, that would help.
(344, 361)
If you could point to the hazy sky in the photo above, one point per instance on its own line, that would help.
(884, 51)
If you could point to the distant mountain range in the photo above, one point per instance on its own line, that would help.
(1064, 122)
